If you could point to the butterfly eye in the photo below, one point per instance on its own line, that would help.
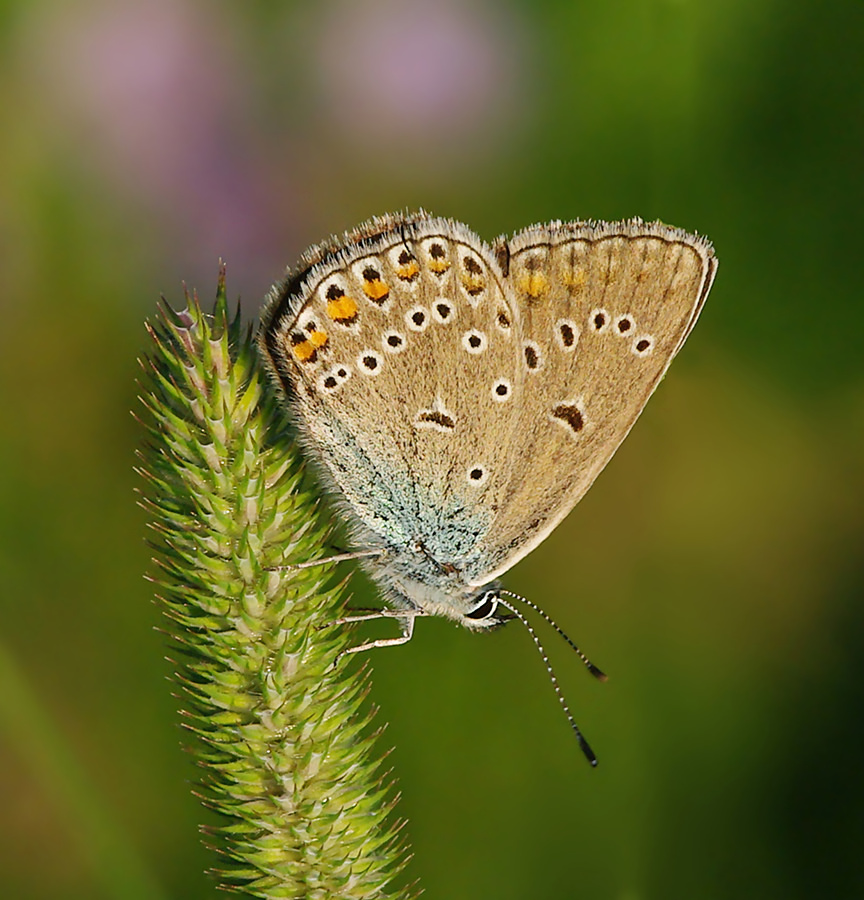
(485, 607)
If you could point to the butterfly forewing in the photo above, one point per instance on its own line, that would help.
(401, 354)
(603, 310)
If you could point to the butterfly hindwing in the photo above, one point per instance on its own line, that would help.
(603, 309)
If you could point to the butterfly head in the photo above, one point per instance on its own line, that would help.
(486, 612)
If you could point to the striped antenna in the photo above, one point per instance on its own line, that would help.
(597, 673)
(583, 744)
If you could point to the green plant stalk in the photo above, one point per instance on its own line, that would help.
(281, 723)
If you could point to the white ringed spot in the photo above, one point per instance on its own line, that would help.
(533, 356)
(370, 362)
(567, 334)
(625, 325)
(393, 341)
(474, 341)
(443, 311)
(598, 320)
(417, 318)
(502, 390)
(477, 475)
(502, 322)
(642, 345)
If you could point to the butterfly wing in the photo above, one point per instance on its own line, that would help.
(603, 309)
(398, 349)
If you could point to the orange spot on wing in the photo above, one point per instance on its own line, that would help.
(305, 351)
(534, 284)
(575, 279)
(342, 309)
(317, 339)
(473, 286)
(409, 271)
(376, 290)
(439, 266)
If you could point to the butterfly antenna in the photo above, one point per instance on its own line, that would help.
(583, 744)
(597, 673)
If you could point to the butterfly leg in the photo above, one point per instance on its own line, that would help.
(368, 614)
(326, 560)
(406, 621)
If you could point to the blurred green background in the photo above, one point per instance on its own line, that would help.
(715, 571)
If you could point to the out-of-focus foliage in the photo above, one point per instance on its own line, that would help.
(715, 569)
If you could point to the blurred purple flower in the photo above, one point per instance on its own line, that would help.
(414, 74)
(155, 96)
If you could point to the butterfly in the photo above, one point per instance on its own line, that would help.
(459, 398)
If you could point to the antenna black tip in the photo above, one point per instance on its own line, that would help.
(583, 744)
(597, 673)
(589, 753)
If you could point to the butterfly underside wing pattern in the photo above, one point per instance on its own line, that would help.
(460, 397)
(604, 309)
